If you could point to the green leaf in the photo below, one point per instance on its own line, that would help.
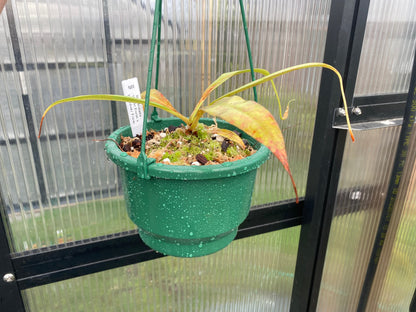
(288, 70)
(257, 122)
(219, 81)
(159, 103)
(197, 113)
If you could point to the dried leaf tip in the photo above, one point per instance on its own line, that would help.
(40, 127)
(352, 136)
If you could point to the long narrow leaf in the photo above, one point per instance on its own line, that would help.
(257, 122)
(110, 97)
(288, 70)
(197, 114)
(220, 80)
(157, 97)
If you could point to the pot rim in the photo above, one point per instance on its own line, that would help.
(159, 170)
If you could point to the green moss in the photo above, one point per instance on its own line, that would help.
(232, 151)
(174, 135)
(247, 152)
(181, 147)
(201, 132)
(213, 147)
(176, 156)
(165, 141)
(194, 150)
(194, 140)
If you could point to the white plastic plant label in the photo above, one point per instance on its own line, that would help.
(134, 110)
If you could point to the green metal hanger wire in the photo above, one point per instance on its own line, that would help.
(142, 160)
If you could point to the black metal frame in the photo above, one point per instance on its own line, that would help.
(10, 295)
(343, 47)
(26, 102)
(110, 65)
(344, 42)
(103, 253)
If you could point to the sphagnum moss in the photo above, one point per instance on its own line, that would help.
(181, 146)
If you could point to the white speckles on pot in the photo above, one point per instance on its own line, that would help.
(188, 217)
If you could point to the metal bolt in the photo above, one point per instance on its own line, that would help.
(356, 111)
(340, 112)
(9, 277)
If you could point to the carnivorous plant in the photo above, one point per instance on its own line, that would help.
(249, 116)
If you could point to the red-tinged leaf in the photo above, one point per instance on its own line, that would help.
(257, 122)
(157, 97)
(196, 114)
(286, 113)
(288, 70)
(219, 81)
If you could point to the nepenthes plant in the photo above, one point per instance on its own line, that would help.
(247, 115)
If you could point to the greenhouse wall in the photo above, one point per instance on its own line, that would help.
(65, 236)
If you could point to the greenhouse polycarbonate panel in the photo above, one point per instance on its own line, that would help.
(6, 53)
(48, 85)
(12, 111)
(201, 40)
(60, 31)
(388, 48)
(252, 274)
(395, 280)
(284, 34)
(61, 188)
(364, 178)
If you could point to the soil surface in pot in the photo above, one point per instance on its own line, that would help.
(180, 146)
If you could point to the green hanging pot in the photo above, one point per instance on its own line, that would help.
(187, 211)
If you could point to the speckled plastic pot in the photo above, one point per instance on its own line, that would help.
(187, 211)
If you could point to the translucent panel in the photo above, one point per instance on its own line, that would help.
(201, 40)
(252, 274)
(12, 117)
(286, 33)
(49, 85)
(395, 280)
(63, 181)
(388, 48)
(56, 193)
(6, 53)
(42, 226)
(19, 180)
(295, 31)
(60, 31)
(364, 178)
(125, 25)
(89, 171)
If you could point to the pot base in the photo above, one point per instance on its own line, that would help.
(188, 248)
